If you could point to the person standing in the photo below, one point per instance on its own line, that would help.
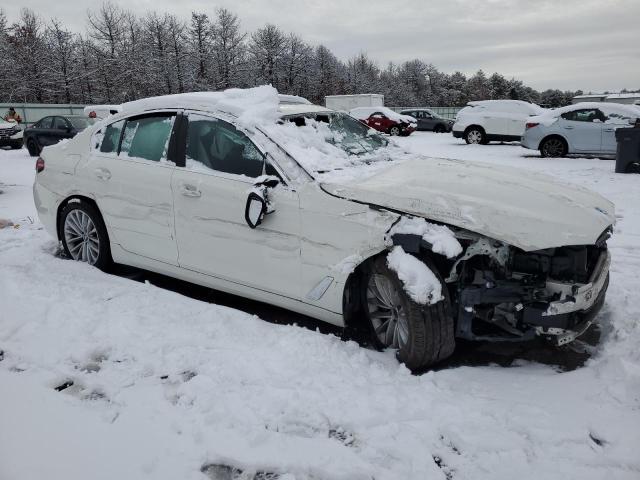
(13, 115)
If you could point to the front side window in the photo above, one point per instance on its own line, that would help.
(110, 138)
(147, 137)
(217, 145)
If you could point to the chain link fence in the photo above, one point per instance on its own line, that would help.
(32, 112)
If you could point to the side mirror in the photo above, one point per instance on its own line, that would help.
(255, 210)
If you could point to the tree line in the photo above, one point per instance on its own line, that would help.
(122, 57)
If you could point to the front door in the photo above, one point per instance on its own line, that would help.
(130, 176)
(210, 195)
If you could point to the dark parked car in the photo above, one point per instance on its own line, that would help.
(430, 121)
(50, 130)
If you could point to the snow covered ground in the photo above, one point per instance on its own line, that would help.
(165, 386)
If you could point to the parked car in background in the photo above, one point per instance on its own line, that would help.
(429, 121)
(50, 130)
(305, 208)
(583, 128)
(494, 120)
(10, 134)
(100, 111)
(385, 120)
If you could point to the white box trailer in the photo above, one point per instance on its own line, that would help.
(347, 102)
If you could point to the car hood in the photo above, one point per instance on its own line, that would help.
(521, 208)
(4, 124)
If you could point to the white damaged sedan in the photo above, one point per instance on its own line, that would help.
(278, 200)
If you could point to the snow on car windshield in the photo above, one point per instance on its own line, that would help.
(331, 141)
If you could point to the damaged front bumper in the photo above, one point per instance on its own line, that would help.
(563, 319)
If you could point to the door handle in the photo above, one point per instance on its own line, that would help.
(608, 129)
(103, 173)
(568, 127)
(190, 191)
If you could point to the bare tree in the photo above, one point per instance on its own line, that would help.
(200, 41)
(268, 46)
(228, 48)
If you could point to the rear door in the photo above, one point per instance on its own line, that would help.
(129, 171)
(583, 129)
(210, 195)
(614, 119)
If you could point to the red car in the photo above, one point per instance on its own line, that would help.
(385, 120)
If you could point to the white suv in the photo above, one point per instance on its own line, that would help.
(494, 120)
(306, 208)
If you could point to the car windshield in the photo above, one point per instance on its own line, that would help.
(325, 143)
(80, 123)
(347, 133)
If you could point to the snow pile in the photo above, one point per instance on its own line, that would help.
(419, 281)
(253, 106)
(362, 113)
(441, 238)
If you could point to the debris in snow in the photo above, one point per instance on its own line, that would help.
(4, 223)
(419, 281)
(441, 238)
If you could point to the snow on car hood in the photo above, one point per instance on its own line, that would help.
(526, 210)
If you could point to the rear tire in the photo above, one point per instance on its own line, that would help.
(84, 234)
(33, 148)
(553, 147)
(475, 136)
(422, 334)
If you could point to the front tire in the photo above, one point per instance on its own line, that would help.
(475, 136)
(439, 129)
(84, 235)
(421, 334)
(395, 131)
(16, 145)
(553, 147)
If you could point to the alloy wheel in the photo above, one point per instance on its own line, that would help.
(394, 131)
(386, 311)
(553, 148)
(474, 136)
(81, 236)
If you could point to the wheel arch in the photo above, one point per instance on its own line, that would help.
(353, 319)
(554, 135)
(70, 199)
(474, 125)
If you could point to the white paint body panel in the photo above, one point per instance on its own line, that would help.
(531, 212)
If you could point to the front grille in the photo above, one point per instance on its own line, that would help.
(8, 131)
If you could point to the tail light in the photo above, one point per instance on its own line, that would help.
(39, 165)
(531, 125)
(92, 114)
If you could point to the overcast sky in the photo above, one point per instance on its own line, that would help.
(567, 44)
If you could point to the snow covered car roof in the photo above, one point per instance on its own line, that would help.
(549, 116)
(497, 104)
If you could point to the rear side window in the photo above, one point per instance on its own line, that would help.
(147, 137)
(218, 145)
(111, 137)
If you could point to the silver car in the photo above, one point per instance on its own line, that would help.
(583, 128)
